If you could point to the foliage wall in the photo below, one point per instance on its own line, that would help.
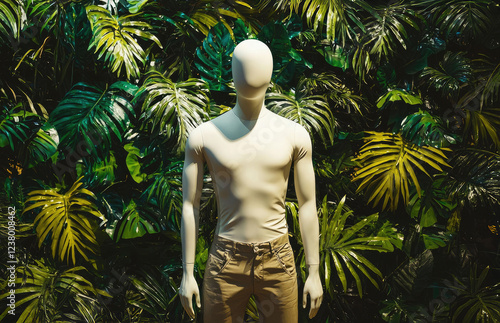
(401, 99)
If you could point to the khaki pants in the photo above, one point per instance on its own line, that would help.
(237, 270)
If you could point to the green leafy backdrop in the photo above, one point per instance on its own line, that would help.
(401, 99)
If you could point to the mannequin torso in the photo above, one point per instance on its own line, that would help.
(250, 161)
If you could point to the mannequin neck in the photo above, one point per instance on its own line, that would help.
(249, 108)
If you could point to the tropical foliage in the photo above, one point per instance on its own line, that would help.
(401, 99)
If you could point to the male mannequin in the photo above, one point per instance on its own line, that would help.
(249, 151)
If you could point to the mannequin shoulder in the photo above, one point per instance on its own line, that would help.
(195, 138)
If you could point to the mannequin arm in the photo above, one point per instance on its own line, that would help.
(192, 182)
(309, 226)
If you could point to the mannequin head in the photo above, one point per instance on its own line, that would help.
(252, 68)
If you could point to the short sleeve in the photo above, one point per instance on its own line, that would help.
(194, 144)
(302, 143)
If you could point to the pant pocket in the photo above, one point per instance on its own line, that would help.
(284, 256)
(218, 259)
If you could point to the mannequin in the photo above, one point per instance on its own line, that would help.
(249, 151)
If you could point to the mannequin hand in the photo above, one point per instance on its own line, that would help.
(314, 288)
(188, 288)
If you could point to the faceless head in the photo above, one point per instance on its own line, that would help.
(252, 68)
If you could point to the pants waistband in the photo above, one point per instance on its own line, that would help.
(247, 247)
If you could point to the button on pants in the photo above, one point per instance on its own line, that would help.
(236, 270)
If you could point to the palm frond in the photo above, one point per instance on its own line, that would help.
(482, 126)
(342, 247)
(340, 18)
(468, 18)
(390, 29)
(43, 292)
(389, 165)
(454, 71)
(12, 19)
(67, 221)
(474, 179)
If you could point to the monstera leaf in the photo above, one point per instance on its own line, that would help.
(287, 62)
(27, 135)
(389, 167)
(137, 220)
(424, 129)
(115, 38)
(311, 112)
(87, 116)
(213, 59)
(431, 203)
(68, 221)
(398, 95)
(174, 109)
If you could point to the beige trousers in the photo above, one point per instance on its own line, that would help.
(237, 270)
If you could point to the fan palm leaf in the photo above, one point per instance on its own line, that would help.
(311, 112)
(481, 126)
(89, 116)
(476, 303)
(470, 18)
(388, 167)
(172, 108)
(342, 247)
(334, 89)
(66, 220)
(389, 29)
(115, 38)
(474, 179)
(454, 71)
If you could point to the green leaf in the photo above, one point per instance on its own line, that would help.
(311, 112)
(133, 163)
(454, 70)
(414, 276)
(341, 247)
(398, 95)
(474, 180)
(87, 116)
(388, 168)
(67, 221)
(136, 222)
(287, 62)
(214, 57)
(424, 129)
(116, 38)
(337, 18)
(173, 109)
